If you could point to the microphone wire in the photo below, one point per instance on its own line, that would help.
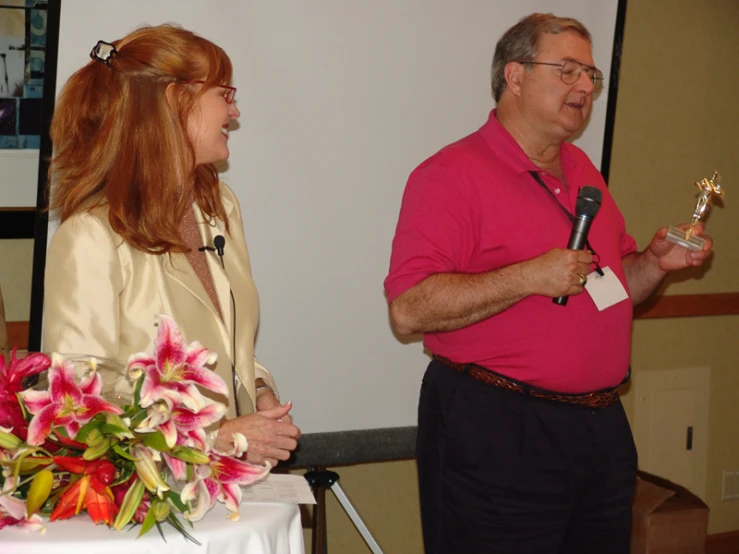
(220, 250)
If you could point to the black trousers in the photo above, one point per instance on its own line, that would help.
(501, 472)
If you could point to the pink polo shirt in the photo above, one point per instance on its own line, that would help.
(474, 207)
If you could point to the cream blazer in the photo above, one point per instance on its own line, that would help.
(102, 296)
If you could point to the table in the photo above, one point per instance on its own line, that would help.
(264, 528)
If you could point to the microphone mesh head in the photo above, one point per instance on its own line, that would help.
(588, 202)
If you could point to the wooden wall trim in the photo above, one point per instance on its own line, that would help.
(18, 334)
(688, 305)
(723, 543)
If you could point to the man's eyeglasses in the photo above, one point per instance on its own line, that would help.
(229, 92)
(571, 70)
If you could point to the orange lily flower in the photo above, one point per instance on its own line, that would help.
(91, 491)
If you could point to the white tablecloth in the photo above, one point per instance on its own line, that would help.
(263, 529)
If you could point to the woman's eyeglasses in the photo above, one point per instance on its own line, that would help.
(229, 94)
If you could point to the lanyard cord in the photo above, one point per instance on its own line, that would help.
(571, 217)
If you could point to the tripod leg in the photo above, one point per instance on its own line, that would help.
(318, 536)
(356, 519)
(319, 479)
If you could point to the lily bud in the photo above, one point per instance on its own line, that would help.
(30, 463)
(191, 455)
(160, 510)
(96, 451)
(39, 491)
(130, 504)
(94, 437)
(9, 441)
(147, 470)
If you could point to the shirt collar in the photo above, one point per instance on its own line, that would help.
(511, 154)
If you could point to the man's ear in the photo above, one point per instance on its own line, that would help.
(514, 74)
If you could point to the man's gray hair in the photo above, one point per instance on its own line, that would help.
(520, 43)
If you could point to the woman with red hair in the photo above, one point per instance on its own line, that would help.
(136, 132)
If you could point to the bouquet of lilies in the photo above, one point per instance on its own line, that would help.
(67, 449)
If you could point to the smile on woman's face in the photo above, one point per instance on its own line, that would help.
(208, 125)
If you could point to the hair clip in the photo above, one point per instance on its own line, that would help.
(103, 52)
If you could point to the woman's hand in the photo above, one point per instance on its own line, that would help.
(266, 400)
(269, 433)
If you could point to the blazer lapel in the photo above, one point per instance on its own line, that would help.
(208, 231)
(178, 269)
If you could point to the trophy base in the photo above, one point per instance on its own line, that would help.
(691, 243)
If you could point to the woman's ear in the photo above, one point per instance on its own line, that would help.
(169, 94)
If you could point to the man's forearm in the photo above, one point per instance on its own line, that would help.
(643, 275)
(450, 301)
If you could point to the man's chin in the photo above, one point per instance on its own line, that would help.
(574, 124)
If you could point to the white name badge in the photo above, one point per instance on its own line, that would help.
(605, 290)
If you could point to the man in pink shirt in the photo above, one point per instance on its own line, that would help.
(523, 445)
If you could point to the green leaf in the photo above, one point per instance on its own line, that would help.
(174, 498)
(161, 533)
(123, 477)
(122, 453)
(137, 390)
(155, 440)
(174, 522)
(26, 414)
(85, 429)
(62, 432)
(148, 523)
(110, 429)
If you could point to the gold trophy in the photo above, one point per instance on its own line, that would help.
(708, 189)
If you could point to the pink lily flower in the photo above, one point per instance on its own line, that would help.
(200, 496)
(197, 438)
(11, 383)
(10, 506)
(221, 480)
(186, 428)
(179, 420)
(34, 524)
(65, 403)
(177, 467)
(175, 369)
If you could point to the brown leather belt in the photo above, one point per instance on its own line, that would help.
(598, 399)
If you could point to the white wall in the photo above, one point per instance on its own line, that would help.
(340, 100)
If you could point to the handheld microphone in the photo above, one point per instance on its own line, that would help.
(586, 208)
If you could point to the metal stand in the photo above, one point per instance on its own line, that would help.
(320, 479)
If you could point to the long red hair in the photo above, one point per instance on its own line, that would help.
(120, 137)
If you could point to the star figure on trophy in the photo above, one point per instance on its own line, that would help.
(709, 189)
